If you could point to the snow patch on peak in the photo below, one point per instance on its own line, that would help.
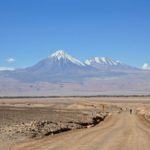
(97, 59)
(60, 54)
(87, 62)
(102, 61)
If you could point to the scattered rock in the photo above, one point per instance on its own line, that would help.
(37, 129)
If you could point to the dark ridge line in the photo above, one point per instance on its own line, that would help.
(94, 96)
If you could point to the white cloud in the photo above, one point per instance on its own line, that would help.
(11, 60)
(6, 68)
(146, 66)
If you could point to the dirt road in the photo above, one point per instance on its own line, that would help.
(118, 132)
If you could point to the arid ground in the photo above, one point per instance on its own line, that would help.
(75, 123)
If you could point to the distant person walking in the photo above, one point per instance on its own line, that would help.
(103, 108)
(130, 111)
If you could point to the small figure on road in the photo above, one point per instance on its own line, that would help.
(103, 107)
(130, 111)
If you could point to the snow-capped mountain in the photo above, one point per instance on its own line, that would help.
(62, 74)
(102, 61)
(108, 64)
(61, 66)
(61, 55)
(58, 62)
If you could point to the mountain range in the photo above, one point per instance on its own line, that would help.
(62, 74)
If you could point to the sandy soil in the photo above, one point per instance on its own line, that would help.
(120, 130)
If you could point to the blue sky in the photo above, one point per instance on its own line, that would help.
(30, 30)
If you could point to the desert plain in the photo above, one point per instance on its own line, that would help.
(75, 123)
